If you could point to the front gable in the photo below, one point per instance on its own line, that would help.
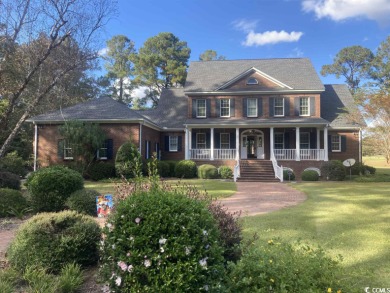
(254, 79)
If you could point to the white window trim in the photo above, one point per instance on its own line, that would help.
(249, 81)
(66, 148)
(308, 107)
(247, 107)
(220, 108)
(278, 133)
(205, 108)
(331, 144)
(220, 140)
(300, 139)
(171, 143)
(197, 140)
(104, 147)
(279, 107)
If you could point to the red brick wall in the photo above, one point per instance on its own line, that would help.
(167, 155)
(152, 135)
(352, 146)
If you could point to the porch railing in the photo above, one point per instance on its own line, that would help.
(304, 154)
(312, 154)
(224, 154)
(200, 154)
(285, 154)
(277, 169)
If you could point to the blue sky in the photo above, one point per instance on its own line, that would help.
(251, 29)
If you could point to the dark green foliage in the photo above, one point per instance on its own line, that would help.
(172, 167)
(281, 267)
(286, 177)
(52, 240)
(207, 171)
(357, 169)
(163, 169)
(333, 170)
(14, 164)
(50, 187)
(101, 170)
(9, 180)
(225, 172)
(185, 169)
(11, 202)
(369, 170)
(127, 159)
(162, 241)
(83, 201)
(310, 175)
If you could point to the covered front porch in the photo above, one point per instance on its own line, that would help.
(272, 143)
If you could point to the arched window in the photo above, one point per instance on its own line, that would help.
(252, 81)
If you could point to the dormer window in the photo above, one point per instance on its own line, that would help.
(252, 81)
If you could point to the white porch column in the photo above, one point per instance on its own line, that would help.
(326, 143)
(272, 143)
(318, 143)
(237, 143)
(189, 142)
(212, 144)
(186, 140)
(297, 144)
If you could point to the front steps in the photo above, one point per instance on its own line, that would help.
(256, 171)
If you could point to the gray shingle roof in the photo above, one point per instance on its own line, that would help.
(297, 73)
(171, 111)
(334, 102)
(93, 110)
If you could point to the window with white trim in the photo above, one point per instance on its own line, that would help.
(173, 143)
(68, 151)
(279, 106)
(201, 108)
(252, 81)
(304, 140)
(304, 106)
(225, 140)
(335, 143)
(201, 140)
(102, 152)
(225, 108)
(279, 141)
(251, 107)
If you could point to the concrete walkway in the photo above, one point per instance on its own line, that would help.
(252, 198)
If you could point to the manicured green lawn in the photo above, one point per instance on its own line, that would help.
(215, 188)
(376, 161)
(347, 218)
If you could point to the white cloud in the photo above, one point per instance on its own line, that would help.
(245, 25)
(338, 10)
(271, 37)
(102, 52)
(297, 53)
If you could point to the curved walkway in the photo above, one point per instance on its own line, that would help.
(255, 198)
(251, 198)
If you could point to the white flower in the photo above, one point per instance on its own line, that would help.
(131, 238)
(207, 246)
(113, 246)
(188, 250)
(128, 254)
(122, 216)
(203, 262)
(162, 249)
(122, 265)
(106, 289)
(206, 287)
(147, 263)
(137, 220)
(205, 233)
(130, 268)
(118, 281)
(110, 227)
(162, 241)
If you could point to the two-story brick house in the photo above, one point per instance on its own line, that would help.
(229, 112)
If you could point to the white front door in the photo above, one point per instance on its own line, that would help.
(252, 144)
(260, 146)
(244, 154)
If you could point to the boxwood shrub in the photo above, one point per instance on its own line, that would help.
(11, 202)
(13, 163)
(333, 170)
(83, 201)
(52, 240)
(310, 175)
(186, 169)
(162, 241)
(50, 187)
(225, 172)
(207, 171)
(9, 180)
(101, 170)
(286, 177)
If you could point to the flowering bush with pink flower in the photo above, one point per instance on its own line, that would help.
(160, 241)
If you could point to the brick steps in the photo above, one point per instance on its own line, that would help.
(256, 171)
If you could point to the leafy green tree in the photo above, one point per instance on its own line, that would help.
(119, 64)
(381, 65)
(161, 63)
(210, 55)
(354, 63)
(85, 139)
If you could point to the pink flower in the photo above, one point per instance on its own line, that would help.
(122, 265)
(137, 220)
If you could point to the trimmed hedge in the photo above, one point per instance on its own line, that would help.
(9, 180)
(310, 175)
(83, 201)
(207, 171)
(50, 187)
(186, 169)
(11, 202)
(286, 177)
(14, 164)
(101, 170)
(225, 172)
(333, 170)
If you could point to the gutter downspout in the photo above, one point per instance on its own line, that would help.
(35, 145)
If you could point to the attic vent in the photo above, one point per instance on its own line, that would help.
(252, 81)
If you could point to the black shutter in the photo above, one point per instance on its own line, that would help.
(329, 143)
(343, 143)
(259, 107)
(296, 106)
(232, 108)
(60, 149)
(271, 107)
(110, 148)
(179, 143)
(166, 143)
(244, 107)
(218, 107)
(313, 140)
(208, 108)
(232, 138)
(217, 139)
(208, 134)
(312, 106)
(194, 101)
(146, 150)
(286, 106)
(286, 140)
